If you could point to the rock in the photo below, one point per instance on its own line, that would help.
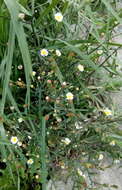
(60, 185)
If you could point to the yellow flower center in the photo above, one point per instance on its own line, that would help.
(44, 52)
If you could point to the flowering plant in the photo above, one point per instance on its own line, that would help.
(56, 77)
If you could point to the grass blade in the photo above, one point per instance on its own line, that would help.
(43, 153)
(9, 59)
(19, 30)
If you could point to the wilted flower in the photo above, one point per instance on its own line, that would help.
(102, 34)
(115, 22)
(69, 96)
(33, 73)
(79, 172)
(19, 143)
(37, 176)
(12, 108)
(78, 125)
(66, 141)
(21, 15)
(49, 81)
(38, 77)
(20, 120)
(47, 98)
(117, 161)
(58, 53)
(30, 161)
(58, 17)
(32, 86)
(77, 88)
(29, 137)
(107, 112)
(80, 67)
(62, 165)
(4, 160)
(44, 52)
(64, 83)
(14, 140)
(20, 67)
(19, 79)
(58, 119)
(112, 143)
(43, 73)
(99, 52)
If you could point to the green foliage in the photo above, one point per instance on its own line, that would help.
(55, 133)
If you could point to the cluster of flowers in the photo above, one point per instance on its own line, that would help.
(69, 96)
(15, 140)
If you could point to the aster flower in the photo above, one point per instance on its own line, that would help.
(58, 17)
(44, 52)
(14, 140)
(107, 112)
(69, 96)
(30, 161)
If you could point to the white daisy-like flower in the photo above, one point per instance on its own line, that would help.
(66, 141)
(100, 157)
(44, 52)
(58, 53)
(14, 140)
(30, 161)
(69, 96)
(80, 68)
(107, 112)
(20, 120)
(21, 16)
(58, 17)
(112, 143)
